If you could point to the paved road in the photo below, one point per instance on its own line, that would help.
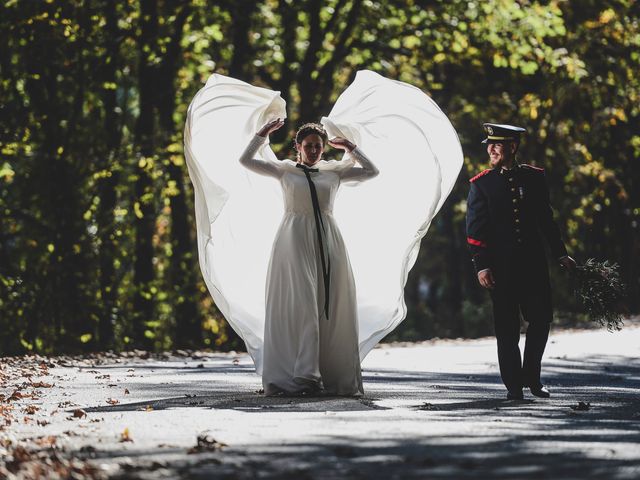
(430, 410)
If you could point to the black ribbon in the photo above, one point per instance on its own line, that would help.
(324, 251)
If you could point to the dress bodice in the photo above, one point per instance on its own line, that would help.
(295, 186)
(297, 198)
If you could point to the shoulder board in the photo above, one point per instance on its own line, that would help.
(531, 167)
(481, 174)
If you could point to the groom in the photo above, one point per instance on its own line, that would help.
(508, 216)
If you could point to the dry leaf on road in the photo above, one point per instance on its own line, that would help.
(79, 413)
(125, 436)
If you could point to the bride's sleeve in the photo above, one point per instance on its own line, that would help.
(261, 167)
(365, 171)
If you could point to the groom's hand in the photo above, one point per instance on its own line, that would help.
(485, 277)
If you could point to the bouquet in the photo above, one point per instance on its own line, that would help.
(601, 292)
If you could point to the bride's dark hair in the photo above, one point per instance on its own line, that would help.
(310, 129)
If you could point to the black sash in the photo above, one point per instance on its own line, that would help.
(324, 251)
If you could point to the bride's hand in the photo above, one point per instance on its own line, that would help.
(271, 127)
(341, 143)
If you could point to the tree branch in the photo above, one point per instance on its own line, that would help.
(342, 48)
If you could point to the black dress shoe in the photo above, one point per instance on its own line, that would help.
(515, 395)
(540, 391)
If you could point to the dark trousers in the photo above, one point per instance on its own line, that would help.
(522, 288)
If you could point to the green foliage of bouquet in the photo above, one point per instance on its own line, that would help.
(601, 292)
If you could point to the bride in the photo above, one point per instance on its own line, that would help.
(311, 328)
(295, 334)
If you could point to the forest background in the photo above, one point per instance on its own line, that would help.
(97, 245)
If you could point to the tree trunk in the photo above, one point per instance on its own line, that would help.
(107, 185)
(143, 275)
(183, 269)
(306, 82)
(241, 12)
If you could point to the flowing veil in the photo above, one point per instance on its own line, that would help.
(399, 128)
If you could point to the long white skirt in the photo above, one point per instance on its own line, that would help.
(303, 349)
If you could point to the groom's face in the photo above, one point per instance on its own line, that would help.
(501, 154)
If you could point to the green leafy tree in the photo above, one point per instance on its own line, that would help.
(97, 245)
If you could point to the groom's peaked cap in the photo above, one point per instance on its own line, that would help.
(497, 133)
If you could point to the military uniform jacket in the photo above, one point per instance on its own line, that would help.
(508, 213)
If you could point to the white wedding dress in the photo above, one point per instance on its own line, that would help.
(305, 347)
(239, 214)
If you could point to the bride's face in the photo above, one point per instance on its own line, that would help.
(310, 149)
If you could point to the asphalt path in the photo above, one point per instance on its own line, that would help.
(431, 410)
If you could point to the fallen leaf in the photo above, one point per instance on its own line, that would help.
(20, 454)
(16, 395)
(112, 401)
(79, 413)
(581, 406)
(125, 436)
(5, 409)
(47, 441)
(206, 443)
(30, 409)
(126, 391)
(41, 385)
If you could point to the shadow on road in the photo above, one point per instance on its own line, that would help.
(590, 428)
(602, 380)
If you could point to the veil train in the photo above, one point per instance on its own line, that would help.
(399, 127)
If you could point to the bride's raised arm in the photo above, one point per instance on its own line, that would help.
(365, 171)
(261, 167)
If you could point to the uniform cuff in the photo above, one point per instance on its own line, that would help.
(481, 262)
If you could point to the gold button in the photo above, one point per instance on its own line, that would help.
(517, 220)
(519, 240)
(515, 200)
(515, 210)
(513, 189)
(511, 179)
